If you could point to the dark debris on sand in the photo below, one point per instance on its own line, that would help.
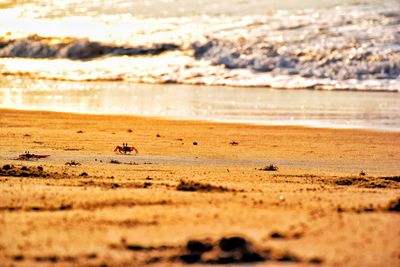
(226, 250)
(54, 207)
(231, 250)
(24, 171)
(369, 182)
(281, 235)
(199, 187)
(391, 178)
(72, 163)
(351, 181)
(37, 172)
(270, 167)
(278, 235)
(394, 205)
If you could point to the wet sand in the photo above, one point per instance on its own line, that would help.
(262, 106)
(328, 203)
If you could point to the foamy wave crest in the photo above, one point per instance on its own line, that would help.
(354, 47)
(336, 63)
(40, 47)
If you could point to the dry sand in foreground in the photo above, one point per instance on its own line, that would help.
(177, 203)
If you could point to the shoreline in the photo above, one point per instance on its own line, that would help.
(238, 123)
(229, 122)
(317, 87)
(220, 104)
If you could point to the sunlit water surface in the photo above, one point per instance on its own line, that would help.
(347, 109)
(320, 44)
(91, 56)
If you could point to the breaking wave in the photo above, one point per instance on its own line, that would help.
(336, 63)
(356, 47)
(39, 47)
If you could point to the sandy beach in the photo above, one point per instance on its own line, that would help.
(262, 133)
(196, 193)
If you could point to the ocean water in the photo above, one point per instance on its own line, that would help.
(248, 46)
(263, 106)
(315, 44)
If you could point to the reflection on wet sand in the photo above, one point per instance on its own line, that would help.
(248, 105)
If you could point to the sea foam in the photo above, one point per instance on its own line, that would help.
(352, 47)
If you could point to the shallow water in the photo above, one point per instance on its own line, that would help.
(344, 109)
(79, 56)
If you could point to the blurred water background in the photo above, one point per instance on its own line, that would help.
(315, 62)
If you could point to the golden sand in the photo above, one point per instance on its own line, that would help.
(328, 202)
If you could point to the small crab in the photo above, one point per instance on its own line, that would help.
(125, 149)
